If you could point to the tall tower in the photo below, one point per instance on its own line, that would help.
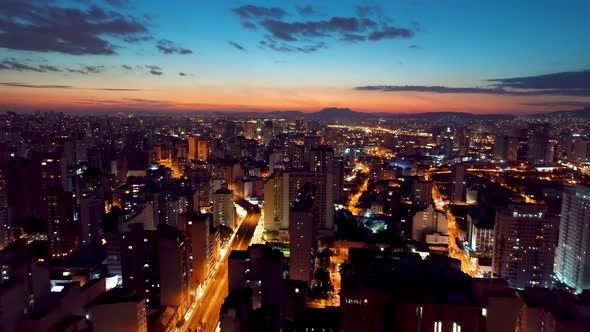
(458, 183)
(538, 137)
(524, 245)
(302, 231)
(572, 258)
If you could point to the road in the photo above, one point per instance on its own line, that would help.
(468, 265)
(206, 314)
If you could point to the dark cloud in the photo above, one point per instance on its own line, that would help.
(414, 46)
(182, 74)
(168, 47)
(236, 45)
(87, 70)
(49, 86)
(573, 104)
(564, 80)
(286, 48)
(14, 64)
(256, 12)
(573, 83)
(305, 10)
(303, 35)
(126, 67)
(154, 70)
(43, 26)
(30, 65)
(491, 90)
(391, 33)
(249, 25)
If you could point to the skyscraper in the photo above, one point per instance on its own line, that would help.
(198, 148)
(302, 232)
(538, 138)
(505, 148)
(524, 245)
(572, 261)
(458, 183)
(223, 208)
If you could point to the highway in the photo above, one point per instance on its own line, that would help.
(206, 314)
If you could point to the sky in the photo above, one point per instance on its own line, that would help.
(398, 56)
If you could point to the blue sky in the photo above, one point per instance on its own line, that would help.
(371, 56)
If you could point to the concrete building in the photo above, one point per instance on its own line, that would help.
(118, 310)
(155, 264)
(411, 294)
(198, 148)
(538, 143)
(572, 263)
(203, 245)
(259, 268)
(505, 148)
(281, 190)
(224, 211)
(90, 217)
(422, 190)
(429, 221)
(458, 182)
(524, 245)
(303, 235)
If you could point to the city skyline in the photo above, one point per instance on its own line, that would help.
(398, 57)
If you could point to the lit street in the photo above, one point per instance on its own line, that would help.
(206, 315)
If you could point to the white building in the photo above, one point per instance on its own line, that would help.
(572, 261)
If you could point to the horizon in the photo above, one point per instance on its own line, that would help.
(401, 57)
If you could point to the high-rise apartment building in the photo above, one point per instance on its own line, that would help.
(538, 140)
(303, 223)
(198, 148)
(422, 193)
(459, 173)
(505, 148)
(224, 211)
(572, 261)
(524, 245)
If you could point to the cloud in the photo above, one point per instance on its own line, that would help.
(257, 12)
(22, 66)
(168, 47)
(414, 46)
(391, 33)
(154, 70)
(127, 67)
(236, 45)
(182, 74)
(304, 35)
(484, 90)
(305, 10)
(29, 65)
(563, 80)
(118, 3)
(573, 104)
(571, 83)
(43, 26)
(249, 25)
(286, 48)
(87, 70)
(51, 86)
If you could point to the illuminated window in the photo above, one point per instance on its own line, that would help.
(438, 326)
